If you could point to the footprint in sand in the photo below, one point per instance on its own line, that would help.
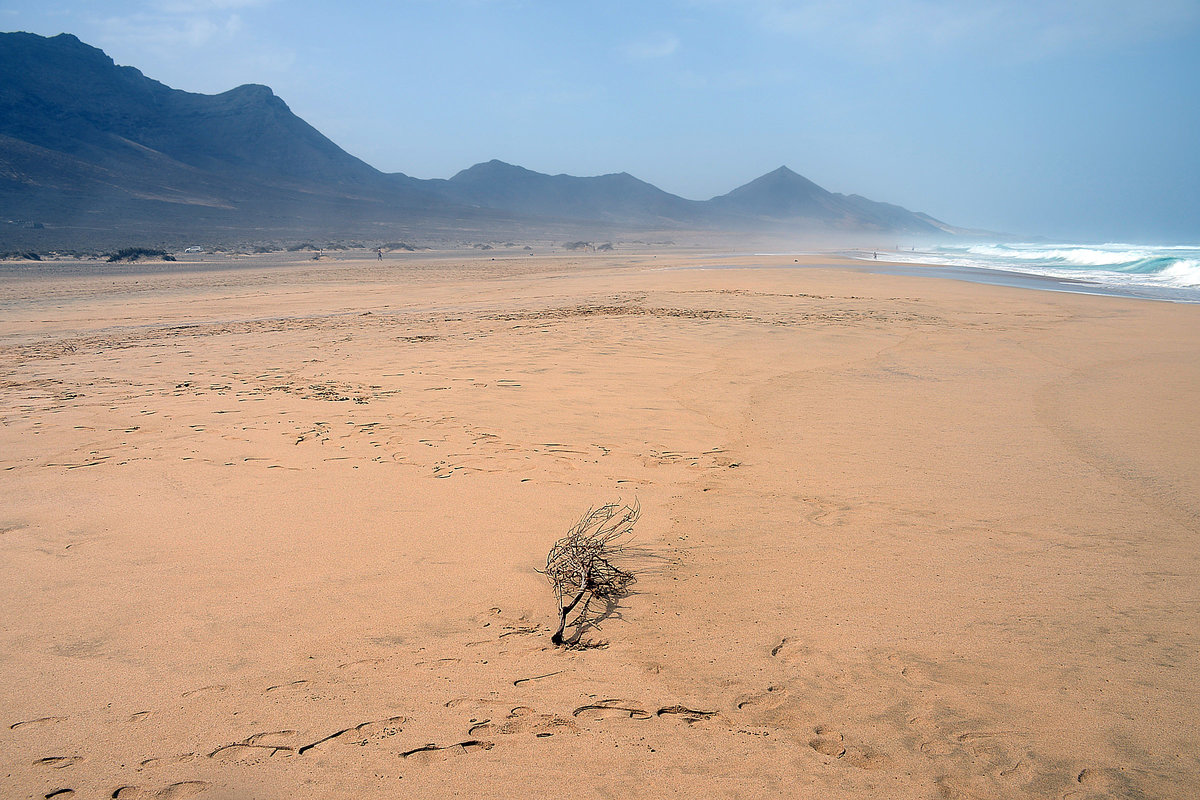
(989, 749)
(182, 789)
(182, 758)
(521, 630)
(828, 516)
(523, 720)
(1100, 782)
(364, 663)
(435, 752)
(258, 747)
(359, 734)
(286, 686)
(437, 662)
(205, 690)
(380, 729)
(765, 701)
(443, 469)
(689, 715)
(62, 794)
(818, 668)
(867, 758)
(828, 742)
(609, 709)
(58, 762)
(937, 747)
(912, 671)
(31, 723)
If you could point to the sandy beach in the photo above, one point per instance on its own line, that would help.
(272, 530)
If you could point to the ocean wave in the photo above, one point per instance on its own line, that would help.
(1113, 264)
(1174, 269)
(1084, 256)
(1184, 272)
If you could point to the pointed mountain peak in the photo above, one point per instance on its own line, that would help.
(778, 193)
(783, 175)
(777, 181)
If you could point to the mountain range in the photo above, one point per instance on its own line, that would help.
(93, 150)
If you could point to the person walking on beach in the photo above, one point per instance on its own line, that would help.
(379, 253)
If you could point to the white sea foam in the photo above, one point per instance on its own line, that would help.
(1084, 256)
(1184, 272)
(1115, 265)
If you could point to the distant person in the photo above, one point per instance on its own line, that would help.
(379, 253)
(875, 255)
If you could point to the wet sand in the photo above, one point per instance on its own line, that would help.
(273, 531)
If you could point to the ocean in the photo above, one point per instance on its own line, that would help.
(1157, 272)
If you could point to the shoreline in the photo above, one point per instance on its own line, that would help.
(1030, 280)
(1012, 279)
(70, 268)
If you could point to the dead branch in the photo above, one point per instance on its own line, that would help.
(580, 565)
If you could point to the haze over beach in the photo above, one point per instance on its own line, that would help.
(694, 399)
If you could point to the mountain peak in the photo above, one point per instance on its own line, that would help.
(253, 90)
(28, 48)
(61, 43)
(253, 96)
(490, 170)
(68, 39)
(784, 175)
(780, 192)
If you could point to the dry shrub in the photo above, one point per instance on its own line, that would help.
(580, 565)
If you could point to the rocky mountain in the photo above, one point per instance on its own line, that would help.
(619, 198)
(782, 196)
(97, 149)
(64, 96)
(87, 144)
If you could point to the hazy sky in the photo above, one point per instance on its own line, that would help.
(1077, 118)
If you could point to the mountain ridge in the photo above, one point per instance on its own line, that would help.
(89, 144)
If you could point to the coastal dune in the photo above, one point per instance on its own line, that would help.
(273, 531)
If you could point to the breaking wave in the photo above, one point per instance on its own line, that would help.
(1115, 264)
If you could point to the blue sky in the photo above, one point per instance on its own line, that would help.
(1069, 119)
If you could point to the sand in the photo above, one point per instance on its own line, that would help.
(272, 531)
